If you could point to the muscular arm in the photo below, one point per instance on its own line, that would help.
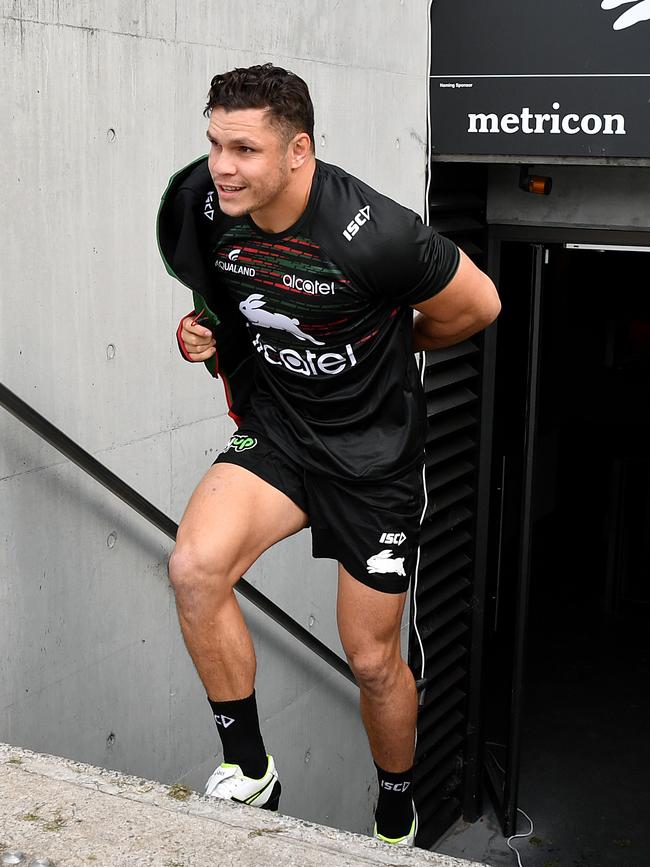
(467, 304)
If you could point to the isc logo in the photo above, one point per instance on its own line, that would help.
(354, 225)
(208, 208)
(395, 787)
(392, 538)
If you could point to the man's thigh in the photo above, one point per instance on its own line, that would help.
(369, 620)
(233, 516)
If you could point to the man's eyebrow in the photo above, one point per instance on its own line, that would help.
(247, 142)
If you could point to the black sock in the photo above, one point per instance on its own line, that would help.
(394, 813)
(239, 729)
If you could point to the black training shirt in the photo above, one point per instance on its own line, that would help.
(326, 305)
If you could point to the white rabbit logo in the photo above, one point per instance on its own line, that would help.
(383, 563)
(640, 11)
(252, 310)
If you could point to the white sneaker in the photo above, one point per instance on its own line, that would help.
(406, 840)
(229, 782)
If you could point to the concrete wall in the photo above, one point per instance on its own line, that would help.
(101, 102)
(608, 197)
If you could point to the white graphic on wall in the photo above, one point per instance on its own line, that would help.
(252, 308)
(639, 11)
(384, 562)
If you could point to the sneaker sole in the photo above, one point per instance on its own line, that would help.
(274, 800)
(271, 804)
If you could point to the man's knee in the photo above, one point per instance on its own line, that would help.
(194, 572)
(376, 667)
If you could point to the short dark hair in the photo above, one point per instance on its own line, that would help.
(283, 93)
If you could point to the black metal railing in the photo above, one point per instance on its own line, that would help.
(56, 438)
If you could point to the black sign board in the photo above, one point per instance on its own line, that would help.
(541, 77)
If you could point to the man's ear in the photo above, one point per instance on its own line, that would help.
(299, 150)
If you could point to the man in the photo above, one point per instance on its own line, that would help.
(304, 281)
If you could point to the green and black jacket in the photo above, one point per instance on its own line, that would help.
(184, 244)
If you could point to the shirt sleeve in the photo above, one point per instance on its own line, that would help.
(384, 248)
(412, 262)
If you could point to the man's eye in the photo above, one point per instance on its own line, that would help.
(246, 150)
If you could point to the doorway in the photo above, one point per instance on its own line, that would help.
(567, 693)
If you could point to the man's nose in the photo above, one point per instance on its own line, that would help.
(221, 163)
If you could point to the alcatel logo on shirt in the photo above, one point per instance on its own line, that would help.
(310, 287)
(306, 362)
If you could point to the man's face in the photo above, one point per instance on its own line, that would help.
(248, 160)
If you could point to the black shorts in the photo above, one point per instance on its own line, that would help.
(371, 527)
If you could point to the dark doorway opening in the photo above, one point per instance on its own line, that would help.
(584, 714)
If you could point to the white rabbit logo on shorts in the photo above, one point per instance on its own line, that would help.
(252, 308)
(384, 562)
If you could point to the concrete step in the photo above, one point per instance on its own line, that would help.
(75, 814)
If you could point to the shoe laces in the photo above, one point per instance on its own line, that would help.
(218, 778)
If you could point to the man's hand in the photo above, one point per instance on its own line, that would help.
(198, 342)
(639, 12)
(467, 304)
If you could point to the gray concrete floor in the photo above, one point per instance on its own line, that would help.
(585, 776)
(483, 836)
(76, 815)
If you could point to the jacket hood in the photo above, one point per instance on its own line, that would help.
(180, 230)
(185, 243)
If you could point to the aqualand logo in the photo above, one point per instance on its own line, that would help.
(230, 264)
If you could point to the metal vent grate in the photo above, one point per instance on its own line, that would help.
(442, 595)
